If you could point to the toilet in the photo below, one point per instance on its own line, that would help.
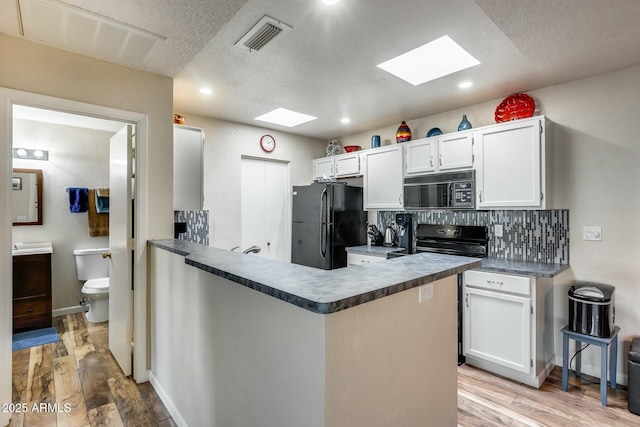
(93, 268)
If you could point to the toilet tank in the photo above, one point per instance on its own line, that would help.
(90, 264)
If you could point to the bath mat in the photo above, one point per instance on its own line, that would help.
(33, 338)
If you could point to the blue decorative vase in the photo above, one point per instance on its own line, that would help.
(464, 124)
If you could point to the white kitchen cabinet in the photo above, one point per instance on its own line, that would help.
(382, 182)
(361, 259)
(347, 165)
(455, 151)
(187, 168)
(324, 167)
(420, 156)
(508, 325)
(514, 165)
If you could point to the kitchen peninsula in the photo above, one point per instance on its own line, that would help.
(249, 341)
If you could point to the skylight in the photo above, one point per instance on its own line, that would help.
(284, 117)
(431, 61)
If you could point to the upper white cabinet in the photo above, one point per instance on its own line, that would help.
(514, 165)
(324, 167)
(187, 168)
(383, 178)
(441, 153)
(420, 156)
(347, 165)
(455, 151)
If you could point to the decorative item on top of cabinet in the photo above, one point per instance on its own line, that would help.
(404, 133)
(514, 107)
(333, 148)
(178, 119)
(375, 141)
(433, 132)
(464, 124)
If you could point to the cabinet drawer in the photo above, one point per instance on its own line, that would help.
(498, 282)
(359, 259)
(29, 308)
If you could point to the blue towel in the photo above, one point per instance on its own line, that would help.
(78, 201)
(102, 204)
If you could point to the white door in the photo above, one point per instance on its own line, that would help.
(120, 233)
(497, 328)
(266, 208)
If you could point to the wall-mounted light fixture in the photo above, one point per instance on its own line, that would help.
(30, 154)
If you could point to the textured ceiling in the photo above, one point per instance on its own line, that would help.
(326, 65)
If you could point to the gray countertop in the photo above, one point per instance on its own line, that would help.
(529, 268)
(320, 291)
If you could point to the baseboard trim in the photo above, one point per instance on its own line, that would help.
(69, 310)
(175, 414)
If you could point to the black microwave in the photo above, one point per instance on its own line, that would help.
(450, 190)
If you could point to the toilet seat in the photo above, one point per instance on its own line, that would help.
(96, 286)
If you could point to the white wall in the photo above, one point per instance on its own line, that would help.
(597, 158)
(225, 144)
(78, 157)
(35, 68)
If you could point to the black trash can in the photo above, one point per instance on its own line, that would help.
(592, 309)
(634, 376)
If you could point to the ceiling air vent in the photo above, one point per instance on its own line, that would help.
(262, 33)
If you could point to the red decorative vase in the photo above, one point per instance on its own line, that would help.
(404, 133)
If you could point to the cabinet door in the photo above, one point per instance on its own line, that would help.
(383, 178)
(497, 328)
(509, 165)
(455, 151)
(420, 156)
(347, 165)
(323, 167)
(187, 168)
(360, 259)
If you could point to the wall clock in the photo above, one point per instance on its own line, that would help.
(267, 143)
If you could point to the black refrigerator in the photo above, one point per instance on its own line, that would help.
(327, 217)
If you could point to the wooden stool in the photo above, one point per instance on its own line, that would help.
(604, 344)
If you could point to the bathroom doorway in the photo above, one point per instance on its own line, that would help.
(125, 336)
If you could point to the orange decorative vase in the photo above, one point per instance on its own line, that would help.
(404, 133)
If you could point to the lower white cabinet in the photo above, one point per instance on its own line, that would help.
(508, 325)
(361, 259)
(383, 181)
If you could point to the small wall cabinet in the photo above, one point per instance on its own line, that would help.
(383, 185)
(31, 291)
(439, 154)
(514, 167)
(188, 144)
(508, 325)
(324, 167)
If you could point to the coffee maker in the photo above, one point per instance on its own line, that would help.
(404, 224)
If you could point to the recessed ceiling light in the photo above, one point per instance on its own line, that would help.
(284, 117)
(465, 85)
(345, 120)
(329, 1)
(206, 91)
(431, 61)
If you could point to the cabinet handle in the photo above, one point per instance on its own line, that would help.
(466, 299)
(400, 199)
(480, 196)
(29, 310)
(431, 160)
(495, 283)
(440, 159)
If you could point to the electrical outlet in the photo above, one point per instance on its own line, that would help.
(426, 292)
(592, 232)
(497, 230)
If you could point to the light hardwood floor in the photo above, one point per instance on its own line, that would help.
(81, 372)
(488, 400)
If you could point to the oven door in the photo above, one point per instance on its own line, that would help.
(427, 196)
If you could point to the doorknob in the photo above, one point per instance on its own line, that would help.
(106, 255)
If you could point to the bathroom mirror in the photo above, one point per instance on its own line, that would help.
(26, 197)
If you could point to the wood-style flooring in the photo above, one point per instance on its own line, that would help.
(80, 371)
(77, 382)
(485, 399)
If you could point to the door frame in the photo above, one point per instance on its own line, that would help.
(9, 97)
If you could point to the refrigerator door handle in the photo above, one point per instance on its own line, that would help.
(323, 223)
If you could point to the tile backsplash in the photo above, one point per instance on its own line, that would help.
(539, 236)
(197, 226)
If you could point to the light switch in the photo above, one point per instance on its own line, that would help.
(592, 232)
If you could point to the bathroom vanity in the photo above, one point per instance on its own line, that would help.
(32, 286)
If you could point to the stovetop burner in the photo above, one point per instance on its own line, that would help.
(461, 240)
